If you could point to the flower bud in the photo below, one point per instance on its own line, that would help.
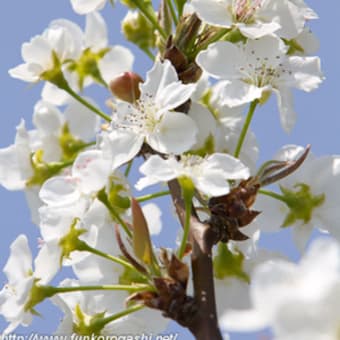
(126, 86)
(137, 29)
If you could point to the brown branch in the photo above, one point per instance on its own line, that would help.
(204, 325)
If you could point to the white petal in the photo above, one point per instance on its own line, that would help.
(11, 175)
(205, 122)
(258, 30)
(83, 123)
(153, 215)
(238, 93)
(27, 72)
(157, 169)
(306, 73)
(59, 190)
(37, 51)
(19, 264)
(286, 108)
(212, 184)
(87, 6)
(173, 95)
(160, 76)
(47, 262)
(54, 95)
(222, 60)
(47, 118)
(96, 36)
(215, 13)
(301, 235)
(273, 213)
(92, 170)
(122, 146)
(269, 50)
(176, 133)
(118, 60)
(291, 18)
(229, 166)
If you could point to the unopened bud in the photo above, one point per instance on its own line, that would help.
(137, 29)
(126, 86)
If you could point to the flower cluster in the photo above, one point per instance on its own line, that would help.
(184, 124)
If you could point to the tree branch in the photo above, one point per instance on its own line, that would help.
(204, 325)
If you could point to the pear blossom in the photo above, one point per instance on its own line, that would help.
(16, 160)
(40, 54)
(256, 18)
(106, 61)
(15, 295)
(299, 301)
(309, 198)
(90, 172)
(254, 70)
(152, 119)
(210, 175)
(80, 308)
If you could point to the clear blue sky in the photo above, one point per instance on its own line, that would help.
(318, 114)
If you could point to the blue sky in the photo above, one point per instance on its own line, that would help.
(318, 114)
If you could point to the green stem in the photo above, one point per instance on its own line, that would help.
(151, 196)
(173, 12)
(244, 131)
(148, 12)
(119, 315)
(128, 168)
(120, 220)
(273, 195)
(180, 5)
(128, 288)
(115, 259)
(103, 198)
(86, 103)
(186, 229)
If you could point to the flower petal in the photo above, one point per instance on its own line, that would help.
(59, 190)
(215, 13)
(118, 60)
(87, 6)
(213, 60)
(161, 75)
(286, 108)
(92, 170)
(176, 133)
(238, 92)
(122, 146)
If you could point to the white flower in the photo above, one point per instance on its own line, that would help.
(310, 198)
(90, 173)
(15, 161)
(256, 69)
(16, 293)
(299, 301)
(80, 308)
(38, 54)
(94, 50)
(210, 175)
(256, 18)
(152, 119)
(87, 6)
